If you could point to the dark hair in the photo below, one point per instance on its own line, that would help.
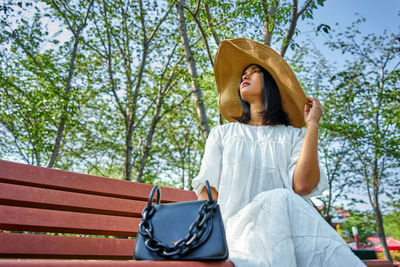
(272, 112)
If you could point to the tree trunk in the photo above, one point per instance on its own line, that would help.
(327, 214)
(197, 93)
(293, 23)
(61, 126)
(57, 142)
(379, 226)
(132, 108)
(133, 95)
(128, 149)
(209, 22)
(162, 92)
(269, 13)
(376, 179)
(292, 27)
(149, 138)
(267, 35)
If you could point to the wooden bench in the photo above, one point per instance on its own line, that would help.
(53, 217)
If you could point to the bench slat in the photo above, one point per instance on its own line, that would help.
(46, 246)
(27, 196)
(52, 246)
(40, 220)
(378, 263)
(55, 263)
(18, 173)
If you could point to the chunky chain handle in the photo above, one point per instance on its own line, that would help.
(198, 230)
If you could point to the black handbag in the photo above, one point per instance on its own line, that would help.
(191, 230)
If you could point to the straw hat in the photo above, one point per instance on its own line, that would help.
(233, 56)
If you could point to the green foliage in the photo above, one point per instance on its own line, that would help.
(391, 220)
(250, 17)
(365, 225)
(362, 111)
(115, 79)
(361, 104)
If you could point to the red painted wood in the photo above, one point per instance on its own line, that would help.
(27, 196)
(55, 263)
(40, 220)
(378, 263)
(67, 247)
(18, 173)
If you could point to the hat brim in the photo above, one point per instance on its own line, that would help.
(233, 56)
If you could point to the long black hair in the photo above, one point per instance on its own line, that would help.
(272, 112)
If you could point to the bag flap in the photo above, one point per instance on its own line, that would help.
(171, 221)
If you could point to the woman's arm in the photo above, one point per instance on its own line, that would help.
(306, 174)
(211, 166)
(204, 196)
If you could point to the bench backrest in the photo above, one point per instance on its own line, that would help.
(49, 213)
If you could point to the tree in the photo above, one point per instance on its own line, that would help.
(39, 96)
(274, 18)
(76, 22)
(121, 31)
(365, 99)
(97, 95)
(163, 88)
(192, 67)
(185, 150)
(361, 106)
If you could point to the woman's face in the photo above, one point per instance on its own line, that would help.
(251, 84)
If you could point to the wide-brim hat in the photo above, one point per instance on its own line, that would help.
(233, 56)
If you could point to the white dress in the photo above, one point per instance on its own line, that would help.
(266, 222)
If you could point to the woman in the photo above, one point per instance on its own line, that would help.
(263, 166)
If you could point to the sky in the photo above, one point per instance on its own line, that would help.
(380, 15)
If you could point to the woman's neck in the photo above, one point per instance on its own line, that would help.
(255, 110)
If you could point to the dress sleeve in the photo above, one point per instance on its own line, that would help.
(296, 148)
(211, 164)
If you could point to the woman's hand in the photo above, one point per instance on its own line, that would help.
(312, 111)
(204, 195)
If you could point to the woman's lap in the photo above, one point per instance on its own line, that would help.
(279, 228)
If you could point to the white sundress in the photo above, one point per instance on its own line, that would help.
(266, 222)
